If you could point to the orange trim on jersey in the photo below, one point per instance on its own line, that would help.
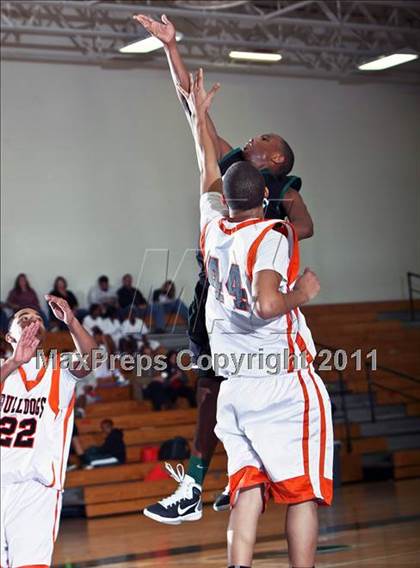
(54, 396)
(253, 249)
(29, 385)
(300, 342)
(305, 434)
(54, 535)
(53, 472)
(203, 242)
(325, 484)
(291, 361)
(66, 420)
(238, 226)
(294, 490)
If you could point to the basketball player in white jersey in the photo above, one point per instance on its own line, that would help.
(274, 420)
(36, 424)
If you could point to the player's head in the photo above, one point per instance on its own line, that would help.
(243, 187)
(103, 283)
(107, 426)
(270, 151)
(22, 319)
(127, 281)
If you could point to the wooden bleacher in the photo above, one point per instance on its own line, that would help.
(122, 489)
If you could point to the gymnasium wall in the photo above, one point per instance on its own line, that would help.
(98, 166)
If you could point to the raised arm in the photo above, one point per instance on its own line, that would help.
(166, 33)
(83, 341)
(199, 102)
(25, 350)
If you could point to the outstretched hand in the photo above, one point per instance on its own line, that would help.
(27, 344)
(198, 99)
(165, 30)
(60, 309)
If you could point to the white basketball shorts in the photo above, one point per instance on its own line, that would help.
(277, 431)
(30, 514)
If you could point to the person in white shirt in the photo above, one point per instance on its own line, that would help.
(94, 318)
(37, 402)
(103, 294)
(135, 327)
(111, 326)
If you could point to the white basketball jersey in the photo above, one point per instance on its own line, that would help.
(36, 423)
(242, 343)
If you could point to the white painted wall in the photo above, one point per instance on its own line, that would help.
(98, 166)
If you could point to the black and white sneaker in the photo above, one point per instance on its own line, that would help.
(222, 502)
(183, 505)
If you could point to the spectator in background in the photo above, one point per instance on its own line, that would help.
(60, 290)
(135, 328)
(177, 381)
(165, 296)
(157, 392)
(103, 371)
(131, 299)
(103, 294)
(5, 314)
(113, 446)
(111, 326)
(94, 318)
(22, 295)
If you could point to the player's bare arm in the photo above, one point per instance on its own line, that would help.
(199, 102)
(83, 341)
(25, 350)
(298, 214)
(165, 32)
(271, 303)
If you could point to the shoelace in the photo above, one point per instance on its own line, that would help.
(179, 475)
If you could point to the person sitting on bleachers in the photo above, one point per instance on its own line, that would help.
(22, 295)
(93, 319)
(134, 327)
(112, 451)
(177, 381)
(61, 291)
(111, 326)
(87, 397)
(103, 294)
(103, 372)
(165, 297)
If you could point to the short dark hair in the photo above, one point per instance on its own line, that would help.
(108, 422)
(289, 158)
(243, 186)
(103, 278)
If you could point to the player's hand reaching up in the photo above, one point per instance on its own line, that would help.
(165, 30)
(308, 285)
(60, 309)
(198, 99)
(27, 344)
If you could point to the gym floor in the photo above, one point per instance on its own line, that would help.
(369, 525)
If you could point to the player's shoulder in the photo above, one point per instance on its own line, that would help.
(232, 157)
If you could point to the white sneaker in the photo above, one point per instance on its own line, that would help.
(183, 505)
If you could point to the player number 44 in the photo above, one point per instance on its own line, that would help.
(233, 284)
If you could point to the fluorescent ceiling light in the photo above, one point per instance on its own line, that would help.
(388, 61)
(146, 45)
(255, 56)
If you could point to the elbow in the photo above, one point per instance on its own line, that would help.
(265, 309)
(305, 230)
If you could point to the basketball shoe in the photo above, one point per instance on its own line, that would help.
(183, 505)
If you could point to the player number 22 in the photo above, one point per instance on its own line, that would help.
(233, 284)
(25, 436)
